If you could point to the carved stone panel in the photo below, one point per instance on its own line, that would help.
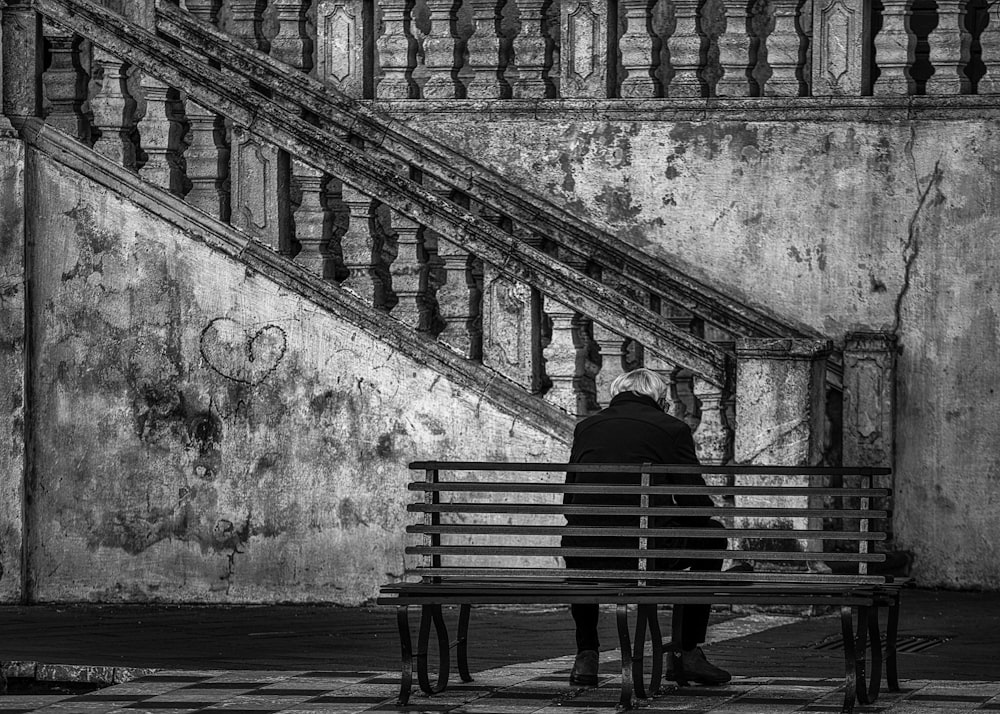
(510, 327)
(838, 65)
(583, 51)
(340, 45)
(259, 176)
(869, 399)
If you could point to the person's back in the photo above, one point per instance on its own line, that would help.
(634, 429)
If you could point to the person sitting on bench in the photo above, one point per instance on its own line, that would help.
(634, 429)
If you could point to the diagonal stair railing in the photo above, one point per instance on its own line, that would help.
(580, 241)
(330, 153)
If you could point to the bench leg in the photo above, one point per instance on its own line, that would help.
(858, 685)
(627, 700)
(406, 645)
(432, 614)
(646, 617)
(462, 644)
(850, 673)
(891, 631)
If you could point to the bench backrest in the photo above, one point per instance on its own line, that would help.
(505, 521)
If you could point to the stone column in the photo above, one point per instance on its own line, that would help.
(22, 62)
(563, 358)
(780, 413)
(870, 401)
(840, 32)
(612, 346)
(989, 41)
(112, 108)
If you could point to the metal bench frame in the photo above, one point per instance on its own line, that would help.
(859, 596)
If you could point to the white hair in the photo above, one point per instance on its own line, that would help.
(641, 381)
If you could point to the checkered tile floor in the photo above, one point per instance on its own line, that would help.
(518, 689)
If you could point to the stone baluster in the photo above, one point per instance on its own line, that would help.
(207, 160)
(839, 67)
(950, 43)
(684, 45)
(583, 51)
(340, 45)
(157, 134)
(409, 272)
(713, 436)
(781, 410)
(734, 52)
(612, 346)
(636, 47)
(483, 47)
(439, 51)
(61, 82)
(989, 41)
(784, 46)
(204, 10)
(894, 49)
(312, 222)
(242, 19)
(357, 245)
(112, 109)
(527, 77)
(395, 51)
(290, 44)
(457, 300)
(563, 358)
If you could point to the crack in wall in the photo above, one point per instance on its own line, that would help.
(911, 246)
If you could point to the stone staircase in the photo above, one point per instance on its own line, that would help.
(359, 209)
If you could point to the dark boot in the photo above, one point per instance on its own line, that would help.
(584, 672)
(695, 668)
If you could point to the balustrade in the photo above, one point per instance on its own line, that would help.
(112, 109)
(313, 222)
(532, 49)
(357, 245)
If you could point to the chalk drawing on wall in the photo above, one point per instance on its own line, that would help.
(242, 355)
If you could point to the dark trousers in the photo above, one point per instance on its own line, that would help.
(694, 618)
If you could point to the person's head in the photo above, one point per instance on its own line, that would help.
(642, 381)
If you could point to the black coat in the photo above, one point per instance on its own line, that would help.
(633, 430)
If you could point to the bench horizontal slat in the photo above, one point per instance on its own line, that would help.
(695, 576)
(520, 487)
(554, 551)
(653, 468)
(519, 530)
(556, 509)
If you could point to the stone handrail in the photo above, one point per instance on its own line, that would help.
(528, 49)
(579, 240)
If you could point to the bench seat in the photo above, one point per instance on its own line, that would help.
(489, 538)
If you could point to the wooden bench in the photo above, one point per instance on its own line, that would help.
(491, 536)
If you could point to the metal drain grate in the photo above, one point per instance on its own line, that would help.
(905, 644)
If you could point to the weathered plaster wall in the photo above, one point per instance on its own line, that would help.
(205, 435)
(838, 225)
(12, 355)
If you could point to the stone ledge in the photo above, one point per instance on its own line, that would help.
(42, 672)
(786, 109)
